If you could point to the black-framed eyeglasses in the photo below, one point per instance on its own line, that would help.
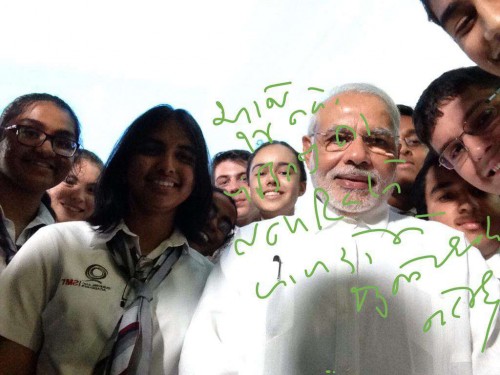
(481, 121)
(339, 138)
(29, 136)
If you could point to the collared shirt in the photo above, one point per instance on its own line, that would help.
(69, 288)
(292, 301)
(494, 264)
(42, 218)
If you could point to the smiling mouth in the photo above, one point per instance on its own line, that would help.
(272, 194)
(72, 208)
(494, 170)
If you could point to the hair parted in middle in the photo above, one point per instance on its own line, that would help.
(112, 193)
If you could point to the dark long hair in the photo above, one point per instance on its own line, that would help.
(112, 189)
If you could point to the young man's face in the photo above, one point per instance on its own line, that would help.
(231, 176)
(465, 207)
(480, 165)
(475, 27)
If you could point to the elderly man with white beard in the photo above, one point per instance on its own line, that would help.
(360, 289)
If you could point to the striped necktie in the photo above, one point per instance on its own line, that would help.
(132, 338)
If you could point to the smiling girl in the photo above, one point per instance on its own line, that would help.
(116, 294)
(73, 199)
(277, 179)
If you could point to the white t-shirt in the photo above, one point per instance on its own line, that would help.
(308, 302)
(61, 296)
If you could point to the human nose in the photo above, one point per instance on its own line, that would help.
(489, 11)
(168, 162)
(46, 147)
(357, 153)
(467, 203)
(404, 149)
(477, 146)
(78, 195)
(233, 186)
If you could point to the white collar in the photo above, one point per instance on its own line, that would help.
(175, 239)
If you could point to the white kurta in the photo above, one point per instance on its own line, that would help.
(60, 296)
(337, 307)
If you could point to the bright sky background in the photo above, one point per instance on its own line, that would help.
(113, 60)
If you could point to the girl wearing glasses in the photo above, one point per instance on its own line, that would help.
(116, 295)
(39, 133)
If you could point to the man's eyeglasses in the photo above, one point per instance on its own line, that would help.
(28, 136)
(481, 121)
(379, 141)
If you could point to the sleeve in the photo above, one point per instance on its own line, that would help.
(210, 345)
(26, 286)
(484, 316)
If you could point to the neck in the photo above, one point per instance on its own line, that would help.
(402, 201)
(18, 205)
(152, 230)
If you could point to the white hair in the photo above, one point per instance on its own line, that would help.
(364, 88)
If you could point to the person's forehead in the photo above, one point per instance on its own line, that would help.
(454, 112)
(353, 109)
(48, 117)
(274, 153)
(439, 178)
(406, 126)
(230, 168)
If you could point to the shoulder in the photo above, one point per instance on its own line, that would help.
(198, 261)
(77, 230)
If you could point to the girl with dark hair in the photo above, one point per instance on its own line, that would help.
(39, 134)
(116, 297)
(73, 199)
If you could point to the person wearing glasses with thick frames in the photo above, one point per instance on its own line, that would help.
(458, 117)
(39, 134)
(412, 154)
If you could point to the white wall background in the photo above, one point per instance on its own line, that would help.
(112, 60)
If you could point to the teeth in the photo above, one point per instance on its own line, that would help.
(165, 183)
(494, 170)
(271, 193)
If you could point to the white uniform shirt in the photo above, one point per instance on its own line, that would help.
(494, 264)
(42, 218)
(333, 308)
(61, 296)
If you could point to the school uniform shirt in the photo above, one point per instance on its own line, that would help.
(494, 264)
(60, 297)
(352, 298)
(42, 218)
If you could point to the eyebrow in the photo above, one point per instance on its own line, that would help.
(38, 124)
(382, 131)
(238, 175)
(449, 12)
(279, 164)
(441, 186)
